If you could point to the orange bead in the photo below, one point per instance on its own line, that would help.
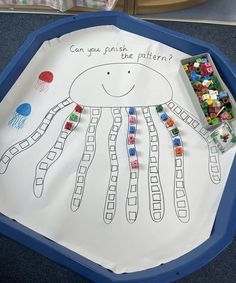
(179, 151)
(169, 122)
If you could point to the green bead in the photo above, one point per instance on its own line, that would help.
(159, 108)
(215, 121)
(199, 60)
(175, 131)
(73, 117)
(204, 106)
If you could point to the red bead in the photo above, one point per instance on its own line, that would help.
(78, 108)
(68, 125)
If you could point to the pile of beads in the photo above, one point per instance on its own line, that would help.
(214, 100)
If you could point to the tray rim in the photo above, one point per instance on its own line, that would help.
(224, 227)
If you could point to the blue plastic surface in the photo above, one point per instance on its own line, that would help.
(225, 225)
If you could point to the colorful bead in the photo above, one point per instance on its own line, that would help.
(132, 130)
(164, 117)
(132, 110)
(73, 117)
(131, 139)
(132, 151)
(169, 122)
(134, 164)
(68, 126)
(132, 119)
(179, 151)
(176, 142)
(78, 108)
(159, 108)
(175, 131)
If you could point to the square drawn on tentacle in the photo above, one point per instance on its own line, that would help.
(132, 201)
(109, 216)
(5, 159)
(153, 159)
(43, 165)
(117, 119)
(14, 150)
(154, 179)
(114, 178)
(153, 169)
(95, 111)
(155, 188)
(91, 129)
(94, 120)
(156, 206)
(86, 157)
(24, 144)
(51, 155)
(111, 196)
(80, 179)
(76, 202)
(39, 181)
(82, 169)
(154, 138)
(90, 138)
(156, 197)
(90, 148)
(177, 110)
(58, 145)
(110, 205)
(116, 111)
(36, 136)
(133, 188)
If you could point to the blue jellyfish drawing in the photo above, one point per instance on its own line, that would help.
(19, 117)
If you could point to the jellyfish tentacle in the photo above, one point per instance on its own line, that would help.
(156, 197)
(213, 152)
(180, 196)
(22, 145)
(87, 158)
(110, 202)
(52, 156)
(132, 202)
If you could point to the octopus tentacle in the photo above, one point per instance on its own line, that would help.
(110, 202)
(22, 145)
(213, 159)
(180, 195)
(51, 156)
(87, 158)
(156, 197)
(132, 203)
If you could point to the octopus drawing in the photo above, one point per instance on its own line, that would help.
(121, 88)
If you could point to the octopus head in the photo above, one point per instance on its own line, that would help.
(120, 84)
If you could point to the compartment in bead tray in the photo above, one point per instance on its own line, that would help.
(210, 96)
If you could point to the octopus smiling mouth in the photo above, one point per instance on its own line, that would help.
(118, 95)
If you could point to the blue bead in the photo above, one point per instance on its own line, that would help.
(132, 110)
(132, 130)
(176, 142)
(164, 117)
(223, 94)
(208, 78)
(204, 60)
(132, 151)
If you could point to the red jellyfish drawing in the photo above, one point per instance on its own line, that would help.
(44, 79)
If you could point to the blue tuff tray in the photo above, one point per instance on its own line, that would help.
(225, 225)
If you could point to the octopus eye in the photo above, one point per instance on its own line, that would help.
(128, 72)
(108, 73)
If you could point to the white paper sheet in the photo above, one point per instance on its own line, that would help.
(77, 187)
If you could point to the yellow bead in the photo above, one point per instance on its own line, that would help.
(186, 67)
(209, 101)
